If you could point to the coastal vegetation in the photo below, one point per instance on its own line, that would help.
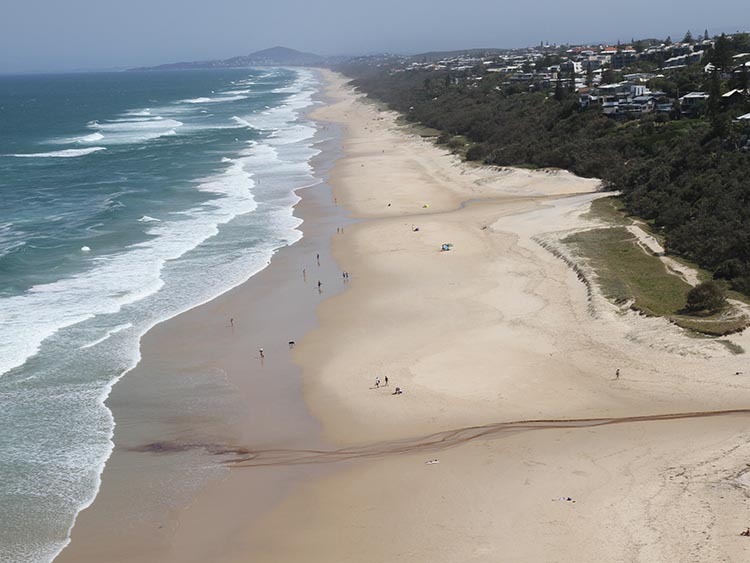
(684, 172)
(625, 273)
(628, 274)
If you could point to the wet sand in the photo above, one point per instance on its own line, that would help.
(200, 392)
(483, 338)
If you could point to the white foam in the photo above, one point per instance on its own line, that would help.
(134, 119)
(149, 219)
(109, 333)
(135, 129)
(122, 278)
(241, 122)
(136, 124)
(216, 100)
(93, 138)
(139, 112)
(139, 271)
(67, 153)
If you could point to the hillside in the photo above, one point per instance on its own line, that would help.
(275, 56)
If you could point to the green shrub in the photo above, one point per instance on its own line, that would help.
(707, 296)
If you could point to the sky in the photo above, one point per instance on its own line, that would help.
(59, 35)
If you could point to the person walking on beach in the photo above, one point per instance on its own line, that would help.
(386, 381)
(231, 322)
(617, 373)
(377, 382)
(319, 284)
(262, 355)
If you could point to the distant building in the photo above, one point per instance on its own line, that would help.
(692, 102)
(624, 58)
(735, 97)
(684, 60)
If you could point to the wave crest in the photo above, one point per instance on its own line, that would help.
(67, 153)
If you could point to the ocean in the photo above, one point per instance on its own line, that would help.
(125, 199)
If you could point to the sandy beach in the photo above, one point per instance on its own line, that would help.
(325, 466)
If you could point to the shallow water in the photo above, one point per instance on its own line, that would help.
(126, 198)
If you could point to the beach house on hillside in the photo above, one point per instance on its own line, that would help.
(735, 97)
(692, 102)
(623, 99)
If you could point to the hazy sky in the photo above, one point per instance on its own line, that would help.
(41, 35)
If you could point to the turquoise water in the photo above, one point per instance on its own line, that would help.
(125, 198)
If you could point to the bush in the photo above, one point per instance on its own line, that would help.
(476, 152)
(707, 296)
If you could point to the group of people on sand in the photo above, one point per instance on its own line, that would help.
(397, 391)
(344, 275)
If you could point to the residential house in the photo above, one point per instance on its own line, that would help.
(692, 102)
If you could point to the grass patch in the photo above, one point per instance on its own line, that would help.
(712, 326)
(417, 128)
(610, 210)
(625, 272)
(379, 105)
(459, 145)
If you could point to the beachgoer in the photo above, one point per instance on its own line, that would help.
(262, 355)
(386, 380)
(231, 322)
(377, 382)
(319, 284)
(617, 373)
(304, 273)
(292, 343)
(397, 391)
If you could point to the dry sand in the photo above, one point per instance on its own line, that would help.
(497, 329)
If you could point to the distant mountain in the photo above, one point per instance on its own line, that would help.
(275, 56)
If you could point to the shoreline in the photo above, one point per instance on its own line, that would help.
(96, 527)
(497, 329)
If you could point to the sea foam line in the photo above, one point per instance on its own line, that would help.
(66, 153)
(249, 157)
(110, 332)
